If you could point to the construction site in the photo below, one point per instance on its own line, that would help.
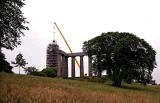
(56, 58)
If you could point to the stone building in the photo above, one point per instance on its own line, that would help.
(58, 59)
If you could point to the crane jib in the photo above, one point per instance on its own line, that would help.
(66, 43)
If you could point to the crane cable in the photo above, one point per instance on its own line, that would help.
(66, 43)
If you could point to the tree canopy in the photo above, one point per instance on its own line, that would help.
(11, 28)
(123, 55)
(11, 23)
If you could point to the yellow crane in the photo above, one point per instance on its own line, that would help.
(66, 43)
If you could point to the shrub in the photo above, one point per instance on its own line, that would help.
(31, 70)
(50, 72)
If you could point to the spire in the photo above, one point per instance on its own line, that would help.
(54, 34)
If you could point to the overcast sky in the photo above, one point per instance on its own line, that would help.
(81, 20)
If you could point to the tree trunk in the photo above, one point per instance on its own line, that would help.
(0, 49)
(117, 83)
(0, 59)
(117, 80)
(99, 72)
(19, 70)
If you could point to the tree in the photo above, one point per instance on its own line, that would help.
(124, 56)
(11, 27)
(19, 61)
(99, 49)
(30, 70)
(11, 23)
(4, 65)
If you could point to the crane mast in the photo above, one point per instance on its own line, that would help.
(66, 43)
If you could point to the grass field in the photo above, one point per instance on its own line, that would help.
(31, 89)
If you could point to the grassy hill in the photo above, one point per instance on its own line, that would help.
(31, 89)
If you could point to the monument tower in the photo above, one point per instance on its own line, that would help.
(52, 55)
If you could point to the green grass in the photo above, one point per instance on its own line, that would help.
(32, 89)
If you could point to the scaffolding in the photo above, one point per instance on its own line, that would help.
(52, 55)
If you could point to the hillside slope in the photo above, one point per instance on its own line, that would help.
(31, 89)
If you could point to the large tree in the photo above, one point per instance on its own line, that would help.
(11, 23)
(124, 56)
(11, 26)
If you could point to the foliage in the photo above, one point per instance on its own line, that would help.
(30, 70)
(50, 72)
(32, 89)
(11, 28)
(95, 79)
(47, 72)
(124, 56)
(11, 23)
(4, 65)
(19, 61)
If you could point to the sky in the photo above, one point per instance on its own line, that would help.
(81, 20)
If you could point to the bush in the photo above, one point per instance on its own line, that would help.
(36, 73)
(50, 72)
(31, 70)
(101, 79)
